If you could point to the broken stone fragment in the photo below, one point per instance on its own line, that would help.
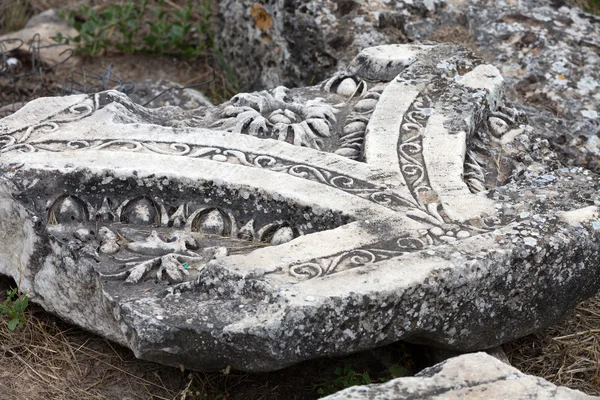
(288, 224)
(162, 93)
(469, 376)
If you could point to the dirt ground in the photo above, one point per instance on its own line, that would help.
(32, 79)
(125, 70)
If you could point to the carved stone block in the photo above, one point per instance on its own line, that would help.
(547, 51)
(399, 199)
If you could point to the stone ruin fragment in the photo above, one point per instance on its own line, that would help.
(548, 52)
(402, 198)
(469, 376)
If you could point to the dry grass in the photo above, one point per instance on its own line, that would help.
(13, 15)
(50, 360)
(567, 354)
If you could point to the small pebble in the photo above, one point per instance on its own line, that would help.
(83, 234)
(437, 231)
(463, 234)
(346, 87)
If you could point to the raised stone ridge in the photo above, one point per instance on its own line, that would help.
(402, 198)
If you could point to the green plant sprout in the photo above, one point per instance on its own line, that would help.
(346, 377)
(136, 27)
(14, 308)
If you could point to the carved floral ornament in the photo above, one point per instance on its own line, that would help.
(302, 124)
(333, 117)
(144, 234)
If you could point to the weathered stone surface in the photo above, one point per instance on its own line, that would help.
(162, 93)
(550, 57)
(548, 53)
(470, 376)
(296, 42)
(289, 224)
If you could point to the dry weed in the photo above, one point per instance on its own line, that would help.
(13, 15)
(51, 360)
(567, 354)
